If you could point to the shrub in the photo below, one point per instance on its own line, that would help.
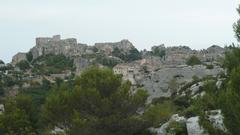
(207, 125)
(107, 61)
(29, 56)
(51, 64)
(159, 113)
(23, 65)
(159, 52)
(209, 66)
(193, 60)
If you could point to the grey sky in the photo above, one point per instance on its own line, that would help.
(195, 23)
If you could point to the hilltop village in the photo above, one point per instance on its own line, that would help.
(163, 71)
(152, 70)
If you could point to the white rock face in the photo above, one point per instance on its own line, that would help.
(216, 118)
(219, 83)
(1, 108)
(194, 128)
(199, 95)
(58, 131)
(157, 83)
(81, 64)
(196, 87)
(108, 47)
(163, 129)
(177, 118)
(18, 57)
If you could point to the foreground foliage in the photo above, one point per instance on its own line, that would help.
(99, 104)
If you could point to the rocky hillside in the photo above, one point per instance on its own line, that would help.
(180, 82)
(152, 70)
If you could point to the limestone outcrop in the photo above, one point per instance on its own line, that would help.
(124, 46)
(193, 127)
(167, 80)
(178, 55)
(18, 57)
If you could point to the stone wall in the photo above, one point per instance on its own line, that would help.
(56, 45)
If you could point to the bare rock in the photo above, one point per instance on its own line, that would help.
(194, 128)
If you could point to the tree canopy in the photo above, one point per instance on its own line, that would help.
(236, 26)
(99, 104)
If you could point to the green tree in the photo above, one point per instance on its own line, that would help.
(99, 104)
(229, 97)
(18, 117)
(117, 53)
(236, 26)
(193, 60)
(1, 88)
(133, 54)
(108, 61)
(159, 114)
(29, 56)
(159, 52)
(229, 102)
(51, 64)
(173, 85)
(231, 60)
(1, 62)
(23, 65)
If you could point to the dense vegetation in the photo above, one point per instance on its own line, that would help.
(97, 102)
(23, 65)
(51, 64)
(132, 55)
(107, 61)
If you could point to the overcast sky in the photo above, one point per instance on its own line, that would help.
(195, 23)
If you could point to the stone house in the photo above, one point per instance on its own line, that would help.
(127, 71)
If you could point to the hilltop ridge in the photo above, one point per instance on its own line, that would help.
(70, 47)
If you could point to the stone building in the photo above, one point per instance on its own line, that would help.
(128, 72)
(56, 45)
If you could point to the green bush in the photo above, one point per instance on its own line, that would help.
(18, 117)
(132, 55)
(107, 61)
(158, 52)
(182, 101)
(51, 64)
(23, 65)
(209, 66)
(29, 56)
(193, 60)
(159, 113)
